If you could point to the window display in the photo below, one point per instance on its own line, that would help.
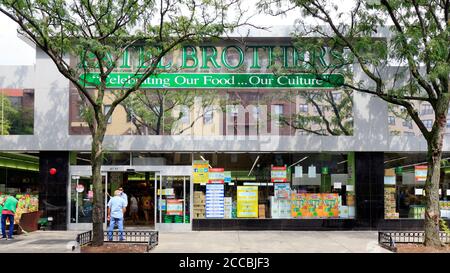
(27, 203)
(273, 186)
(404, 183)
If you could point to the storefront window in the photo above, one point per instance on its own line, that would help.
(404, 182)
(20, 181)
(278, 186)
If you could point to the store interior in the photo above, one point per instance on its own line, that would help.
(404, 182)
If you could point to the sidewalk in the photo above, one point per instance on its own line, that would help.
(41, 242)
(216, 242)
(270, 241)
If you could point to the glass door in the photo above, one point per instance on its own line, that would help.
(172, 195)
(82, 196)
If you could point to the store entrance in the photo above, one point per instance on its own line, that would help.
(139, 188)
(145, 187)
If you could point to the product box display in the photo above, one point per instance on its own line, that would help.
(315, 205)
(261, 211)
(390, 206)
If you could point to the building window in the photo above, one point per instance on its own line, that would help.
(277, 112)
(208, 115)
(233, 111)
(407, 124)
(391, 120)
(256, 111)
(448, 123)
(185, 115)
(278, 109)
(303, 108)
(426, 109)
(106, 109)
(409, 134)
(428, 123)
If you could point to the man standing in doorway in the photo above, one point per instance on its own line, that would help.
(9, 209)
(116, 210)
(124, 196)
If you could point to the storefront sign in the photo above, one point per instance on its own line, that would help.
(168, 191)
(215, 201)
(216, 175)
(247, 201)
(80, 188)
(200, 171)
(218, 80)
(162, 204)
(282, 191)
(227, 177)
(174, 207)
(420, 173)
(278, 174)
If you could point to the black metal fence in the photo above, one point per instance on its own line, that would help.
(139, 237)
(390, 239)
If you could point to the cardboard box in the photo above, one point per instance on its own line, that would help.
(389, 172)
(261, 211)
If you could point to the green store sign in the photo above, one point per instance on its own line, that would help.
(218, 80)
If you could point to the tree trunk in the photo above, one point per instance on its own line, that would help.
(98, 214)
(434, 155)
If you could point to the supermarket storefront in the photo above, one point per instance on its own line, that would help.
(224, 143)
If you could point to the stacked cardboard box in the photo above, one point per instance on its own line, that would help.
(261, 211)
(390, 208)
(199, 204)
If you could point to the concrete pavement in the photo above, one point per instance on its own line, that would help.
(41, 242)
(216, 242)
(270, 241)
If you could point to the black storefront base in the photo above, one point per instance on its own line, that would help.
(53, 187)
(305, 224)
(273, 224)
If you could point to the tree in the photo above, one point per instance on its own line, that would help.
(101, 34)
(331, 115)
(157, 112)
(417, 39)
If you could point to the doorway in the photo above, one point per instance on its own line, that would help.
(158, 196)
(139, 188)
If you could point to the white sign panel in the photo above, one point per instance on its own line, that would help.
(214, 201)
(298, 171)
(418, 191)
(389, 180)
(312, 171)
(338, 185)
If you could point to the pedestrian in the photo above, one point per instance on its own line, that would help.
(123, 195)
(134, 209)
(116, 210)
(9, 205)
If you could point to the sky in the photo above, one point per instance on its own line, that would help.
(14, 51)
